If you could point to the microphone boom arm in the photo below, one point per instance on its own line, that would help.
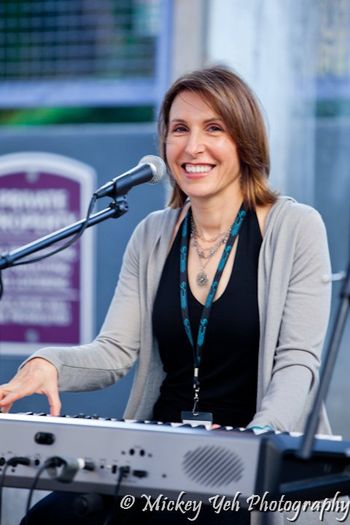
(116, 208)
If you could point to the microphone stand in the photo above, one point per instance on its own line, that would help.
(118, 207)
(305, 449)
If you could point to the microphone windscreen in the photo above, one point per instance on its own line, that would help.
(157, 165)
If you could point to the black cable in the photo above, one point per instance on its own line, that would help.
(70, 467)
(65, 245)
(50, 462)
(123, 471)
(12, 462)
(2, 481)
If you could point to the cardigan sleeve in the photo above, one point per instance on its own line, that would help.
(106, 359)
(302, 326)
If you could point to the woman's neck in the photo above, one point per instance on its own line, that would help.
(214, 217)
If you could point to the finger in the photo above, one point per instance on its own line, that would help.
(54, 402)
(8, 399)
(5, 409)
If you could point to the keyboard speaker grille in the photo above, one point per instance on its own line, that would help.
(212, 466)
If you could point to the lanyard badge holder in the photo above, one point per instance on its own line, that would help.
(196, 417)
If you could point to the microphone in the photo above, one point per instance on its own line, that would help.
(149, 169)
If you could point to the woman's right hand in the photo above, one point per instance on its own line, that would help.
(38, 376)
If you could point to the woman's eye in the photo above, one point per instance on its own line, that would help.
(180, 128)
(215, 127)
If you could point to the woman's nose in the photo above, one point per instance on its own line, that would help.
(195, 143)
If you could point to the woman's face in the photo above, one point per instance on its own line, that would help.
(201, 154)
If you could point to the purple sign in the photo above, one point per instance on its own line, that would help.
(44, 302)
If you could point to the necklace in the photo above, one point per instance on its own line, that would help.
(202, 277)
(212, 239)
(206, 253)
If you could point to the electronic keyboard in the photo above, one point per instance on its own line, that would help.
(87, 454)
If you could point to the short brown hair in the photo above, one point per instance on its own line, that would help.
(236, 104)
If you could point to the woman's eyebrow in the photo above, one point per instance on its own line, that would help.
(205, 121)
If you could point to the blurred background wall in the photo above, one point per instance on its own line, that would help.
(84, 79)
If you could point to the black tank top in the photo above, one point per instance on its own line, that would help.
(228, 371)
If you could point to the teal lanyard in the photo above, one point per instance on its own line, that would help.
(203, 324)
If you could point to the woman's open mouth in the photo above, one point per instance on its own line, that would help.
(197, 169)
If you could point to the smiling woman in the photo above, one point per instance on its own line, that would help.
(200, 152)
(236, 112)
(213, 138)
(214, 295)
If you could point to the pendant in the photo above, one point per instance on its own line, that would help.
(202, 279)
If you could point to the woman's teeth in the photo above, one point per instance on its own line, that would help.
(190, 168)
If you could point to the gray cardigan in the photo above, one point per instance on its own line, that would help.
(294, 303)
